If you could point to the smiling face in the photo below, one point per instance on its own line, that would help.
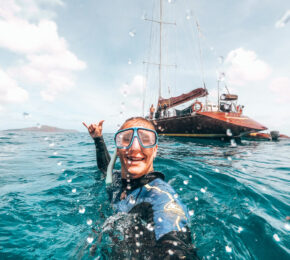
(136, 161)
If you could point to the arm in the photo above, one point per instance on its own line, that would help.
(102, 154)
(170, 218)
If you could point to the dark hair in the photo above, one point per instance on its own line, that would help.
(139, 119)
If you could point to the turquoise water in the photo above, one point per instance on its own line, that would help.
(54, 205)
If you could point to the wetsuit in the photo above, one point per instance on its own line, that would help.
(159, 229)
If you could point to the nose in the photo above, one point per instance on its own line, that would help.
(135, 145)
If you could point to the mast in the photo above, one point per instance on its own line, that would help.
(160, 53)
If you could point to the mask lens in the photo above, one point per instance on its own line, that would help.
(123, 139)
(147, 137)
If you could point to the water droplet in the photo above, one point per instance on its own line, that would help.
(90, 239)
(82, 209)
(184, 229)
(125, 93)
(203, 190)
(74, 190)
(243, 170)
(175, 195)
(216, 170)
(196, 198)
(59, 163)
(191, 212)
(222, 77)
(89, 222)
(132, 33)
(136, 227)
(129, 61)
(181, 189)
(149, 227)
(26, 115)
(233, 143)
(136, 235)
(221, 59)
(287, 227)
(160, 219)
(129, 161)
(175, 243)
(51, 145)
(78, 201)
(170, 252)
(275, 236)
(190, 176)
(228, 249)
(141, 233)
(230, 158)
(55, 153)
(69, 180)
(137, 250)
(129, 187)
(138, 244)
(188, 14)
(240, 229)
(45, 138)
(131, 200)
(185, 182)
(62, 170)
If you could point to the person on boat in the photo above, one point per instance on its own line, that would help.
(158, 112)
(164, 110)
(160, 230)
(152, 110)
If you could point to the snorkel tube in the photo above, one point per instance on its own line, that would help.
(110, 168)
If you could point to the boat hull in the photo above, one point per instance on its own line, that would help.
(207, 125)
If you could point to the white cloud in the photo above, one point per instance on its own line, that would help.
(285, 19)
(48, 60)
(135, 88)
(281, 88)
(133, 96)
(10, 92)
(244, 66)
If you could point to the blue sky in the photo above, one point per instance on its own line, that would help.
(64, 62)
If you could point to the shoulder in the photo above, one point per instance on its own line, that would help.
(169, 213)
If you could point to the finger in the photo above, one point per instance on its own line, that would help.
(101, 123)
(85, 125)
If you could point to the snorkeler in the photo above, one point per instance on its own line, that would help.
(160, 220)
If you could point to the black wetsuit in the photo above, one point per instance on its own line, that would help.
(159, 219)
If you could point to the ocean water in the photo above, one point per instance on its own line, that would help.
(53, 202)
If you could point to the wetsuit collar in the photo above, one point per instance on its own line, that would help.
(136, 183)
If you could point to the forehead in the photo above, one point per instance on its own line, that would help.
(134, 123)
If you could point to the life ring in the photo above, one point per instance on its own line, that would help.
(196, 106)
(240, 109)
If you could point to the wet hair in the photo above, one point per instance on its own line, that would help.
(137, 120)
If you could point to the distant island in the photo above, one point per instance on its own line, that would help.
(42, 128)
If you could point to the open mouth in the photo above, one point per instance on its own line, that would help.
(135, 159)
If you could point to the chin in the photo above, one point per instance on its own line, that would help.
(136, 171)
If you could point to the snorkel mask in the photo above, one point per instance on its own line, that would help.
(124, 139)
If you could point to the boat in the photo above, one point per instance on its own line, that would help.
(200, 118)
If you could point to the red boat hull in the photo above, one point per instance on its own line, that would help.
(207, 125)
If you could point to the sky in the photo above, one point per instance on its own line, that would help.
(67, 61)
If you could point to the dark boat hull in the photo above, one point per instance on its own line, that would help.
(207, 125)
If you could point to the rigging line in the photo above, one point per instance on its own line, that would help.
(199, 46)
(147, 68)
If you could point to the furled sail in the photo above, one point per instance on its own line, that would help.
(174, 101)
